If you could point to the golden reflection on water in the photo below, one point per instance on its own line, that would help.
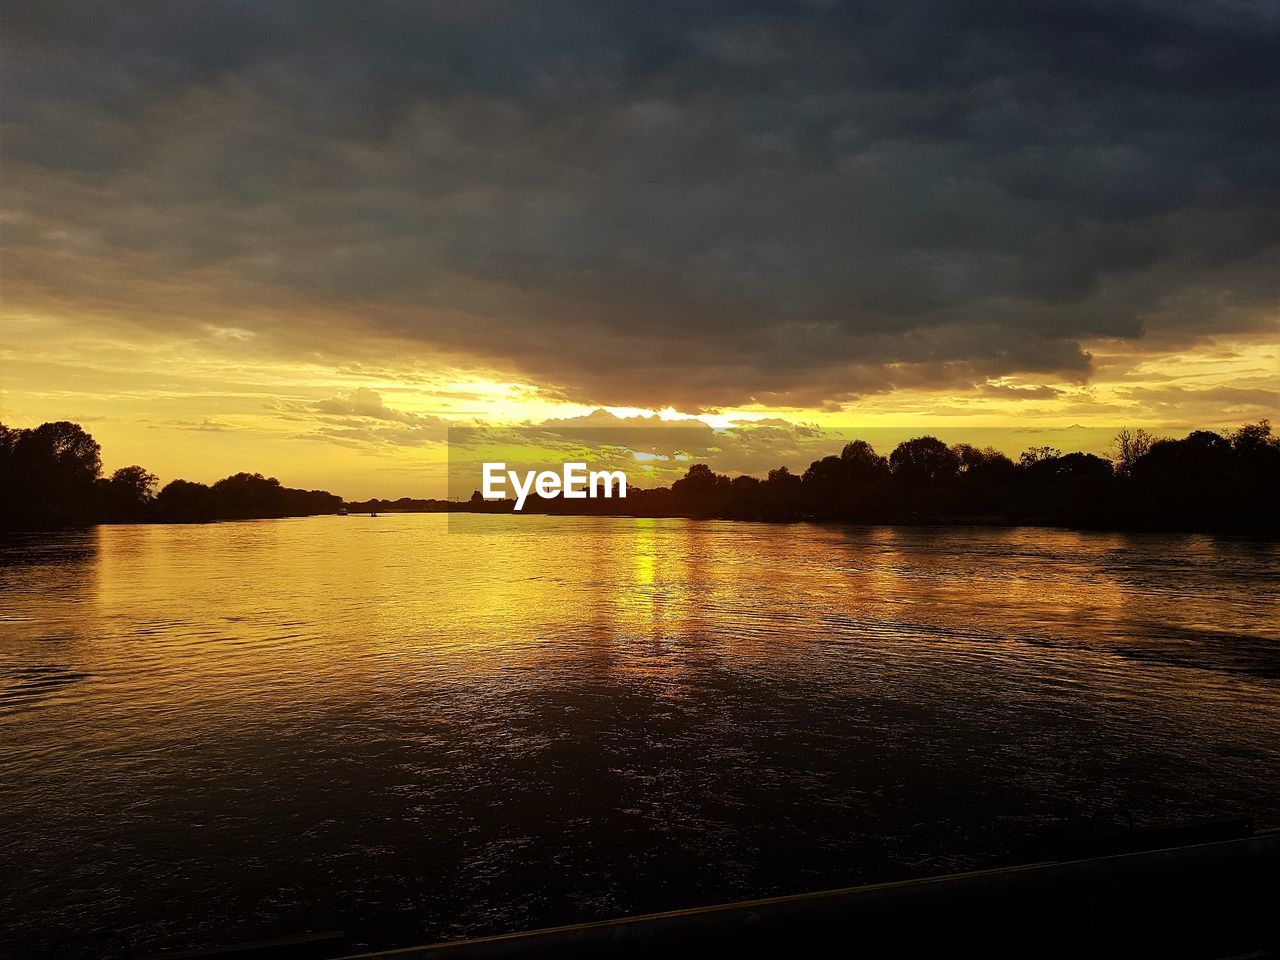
(547, 719)
(340, 607)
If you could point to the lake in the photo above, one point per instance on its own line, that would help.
(416, 727)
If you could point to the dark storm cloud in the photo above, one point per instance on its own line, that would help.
(691, 203)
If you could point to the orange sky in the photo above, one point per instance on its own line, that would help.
(201, 408)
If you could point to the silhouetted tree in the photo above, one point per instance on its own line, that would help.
(126, 495)
(780, 497)
(245, 495)
(986, 481)
(744, 499)
(184, 500)
(924, 472)
(47, 474)
(139, 482)
(701, 492)
(1255, 446)
(1130, 446)
(924, 460)
(1206, 480)
(1073, 489)
(1221, 481)
(851, 486)
(1033, 455)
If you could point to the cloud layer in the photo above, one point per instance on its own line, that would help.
(702, 205)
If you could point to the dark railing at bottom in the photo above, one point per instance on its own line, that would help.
(1212, 900)
(1206, 891)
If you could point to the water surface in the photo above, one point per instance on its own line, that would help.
(412, 729)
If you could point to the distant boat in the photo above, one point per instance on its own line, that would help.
(342, 511)
(373, 513)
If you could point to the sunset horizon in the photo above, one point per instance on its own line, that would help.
(309, 253)
(598, 480)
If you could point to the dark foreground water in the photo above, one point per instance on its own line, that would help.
(411, 732)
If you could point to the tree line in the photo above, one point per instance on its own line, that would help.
(1204, 481)
(51, 476)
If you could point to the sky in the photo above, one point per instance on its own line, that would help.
(305, 238)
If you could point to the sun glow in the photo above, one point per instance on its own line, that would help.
(201, 409)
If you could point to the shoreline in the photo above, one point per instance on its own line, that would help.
(990, 522)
